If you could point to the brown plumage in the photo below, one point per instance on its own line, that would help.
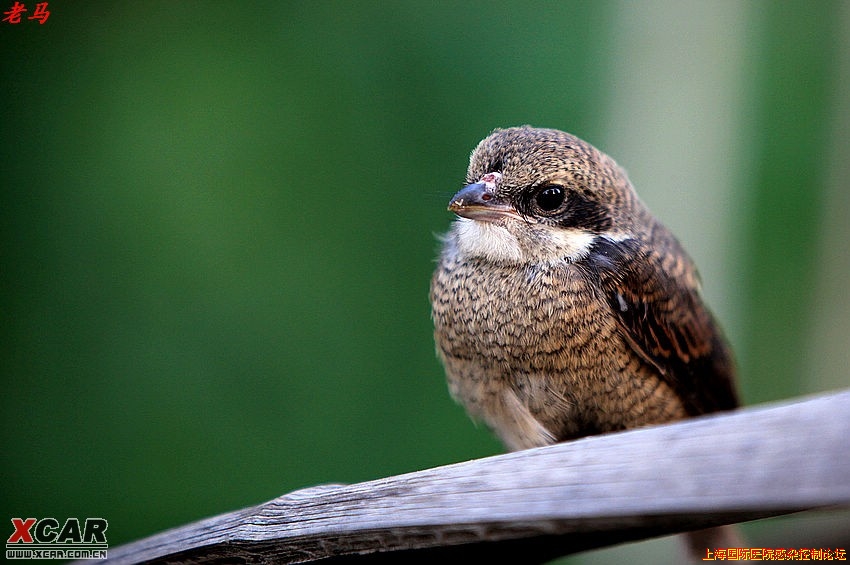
(562, 308)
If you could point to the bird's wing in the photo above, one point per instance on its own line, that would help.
(663, 318)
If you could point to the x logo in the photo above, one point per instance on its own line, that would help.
(22, 530)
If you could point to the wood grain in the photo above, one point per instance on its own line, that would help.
(549, 501)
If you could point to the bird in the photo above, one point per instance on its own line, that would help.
(562, 307)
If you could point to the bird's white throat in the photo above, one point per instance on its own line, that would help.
(528, 243)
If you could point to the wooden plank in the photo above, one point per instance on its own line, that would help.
(539, 503)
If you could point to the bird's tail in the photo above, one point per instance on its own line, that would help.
(701, 544)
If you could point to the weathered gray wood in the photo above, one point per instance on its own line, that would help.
(758, 462)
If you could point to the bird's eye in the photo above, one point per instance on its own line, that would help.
(550, 198)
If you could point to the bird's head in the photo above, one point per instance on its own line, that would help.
(540, 195)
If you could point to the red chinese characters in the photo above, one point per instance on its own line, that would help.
(14, 14)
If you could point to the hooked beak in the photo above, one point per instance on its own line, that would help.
(478, 201)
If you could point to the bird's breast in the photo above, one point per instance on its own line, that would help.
(519, 317)
(535, 351)
(526, 349)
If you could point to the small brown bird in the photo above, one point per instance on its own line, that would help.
(562, 307)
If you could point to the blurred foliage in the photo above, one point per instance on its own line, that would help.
(795, 88)
(218, 228)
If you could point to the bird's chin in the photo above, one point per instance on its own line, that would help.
(507, 240)
(489, 240)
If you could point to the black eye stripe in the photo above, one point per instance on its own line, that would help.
(582, 212)
(555, 204)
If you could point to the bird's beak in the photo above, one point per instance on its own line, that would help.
(478, 202)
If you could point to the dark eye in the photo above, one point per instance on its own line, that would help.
(550, 198)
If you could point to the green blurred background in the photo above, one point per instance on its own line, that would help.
(218, 225)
